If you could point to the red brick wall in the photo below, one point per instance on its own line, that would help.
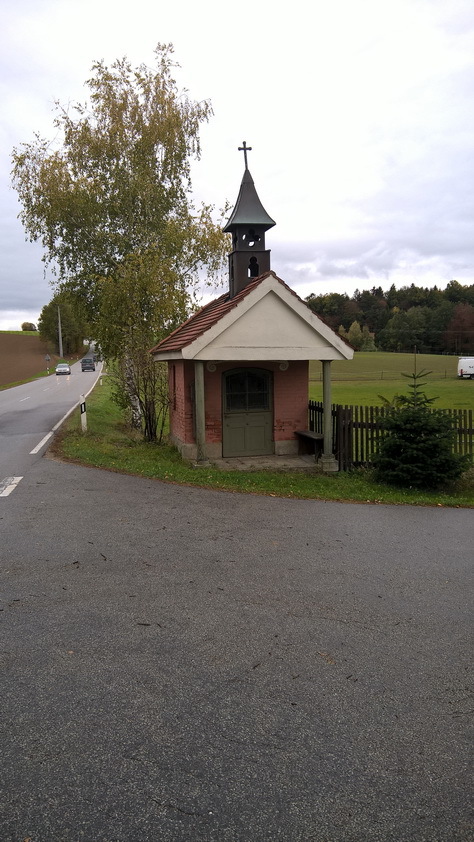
(181, 380)
(290, 398)
(290, 401)
(213, 389)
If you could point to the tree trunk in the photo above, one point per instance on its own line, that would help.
(150, 419)
(136, 413)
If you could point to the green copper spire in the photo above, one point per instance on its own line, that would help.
(248, 208)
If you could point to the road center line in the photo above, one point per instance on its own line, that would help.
(8, 484)
(24, 399)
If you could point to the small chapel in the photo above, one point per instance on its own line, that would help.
(239, 367)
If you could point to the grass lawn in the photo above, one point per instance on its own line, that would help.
(108, 444)
(361, 381)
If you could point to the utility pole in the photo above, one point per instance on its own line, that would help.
(60, 334)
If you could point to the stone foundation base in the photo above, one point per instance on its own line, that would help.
(286, 448)
(329, 464)
(188, 450)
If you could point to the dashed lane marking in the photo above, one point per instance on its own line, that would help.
(8, 484)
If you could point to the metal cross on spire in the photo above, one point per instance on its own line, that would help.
(245, 149)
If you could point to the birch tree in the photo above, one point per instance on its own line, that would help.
(111, 203)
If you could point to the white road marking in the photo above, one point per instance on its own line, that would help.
(40, 445)
(24, 399)
(56, 426)
(8, 484)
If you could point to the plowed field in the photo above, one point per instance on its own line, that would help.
(22, 356)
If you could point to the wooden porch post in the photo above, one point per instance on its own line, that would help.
(200, 411)
(328, 461)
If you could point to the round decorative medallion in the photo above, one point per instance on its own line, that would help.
(284, 365)
(211, 366)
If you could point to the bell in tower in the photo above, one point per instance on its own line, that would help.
(247, 224)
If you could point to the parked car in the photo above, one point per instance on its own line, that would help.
(87, 364)
(63, 368)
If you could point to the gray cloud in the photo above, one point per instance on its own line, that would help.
(362, 147)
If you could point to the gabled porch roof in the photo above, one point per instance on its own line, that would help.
(266, 320)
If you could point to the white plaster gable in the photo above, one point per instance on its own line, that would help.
(270, 323)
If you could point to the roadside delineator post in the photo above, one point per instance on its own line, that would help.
(83, 414)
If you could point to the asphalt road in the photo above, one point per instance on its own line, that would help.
(184, 664)
(28, 413)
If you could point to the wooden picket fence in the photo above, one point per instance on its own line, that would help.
(356, 431)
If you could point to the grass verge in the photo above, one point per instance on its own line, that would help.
(28, 380)
(109, 444)
(39, 374)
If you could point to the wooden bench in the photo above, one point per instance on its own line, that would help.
(310, 442)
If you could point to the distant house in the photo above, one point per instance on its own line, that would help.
(238, 368)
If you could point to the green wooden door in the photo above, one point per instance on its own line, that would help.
(247, 423)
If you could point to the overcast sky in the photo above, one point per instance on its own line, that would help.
(359, 112)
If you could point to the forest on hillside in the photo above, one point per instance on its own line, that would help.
(434, 321)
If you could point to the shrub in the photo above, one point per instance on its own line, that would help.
(416, 449)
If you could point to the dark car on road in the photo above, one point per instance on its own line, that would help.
(87, 364)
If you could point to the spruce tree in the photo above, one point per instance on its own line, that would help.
(416, 449)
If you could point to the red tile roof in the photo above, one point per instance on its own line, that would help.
(205, 318)
(211, 313)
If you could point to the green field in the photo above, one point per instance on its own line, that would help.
(361, 381)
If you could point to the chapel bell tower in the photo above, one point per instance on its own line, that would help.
(247, 224)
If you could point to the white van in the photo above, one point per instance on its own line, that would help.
(466, 367)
